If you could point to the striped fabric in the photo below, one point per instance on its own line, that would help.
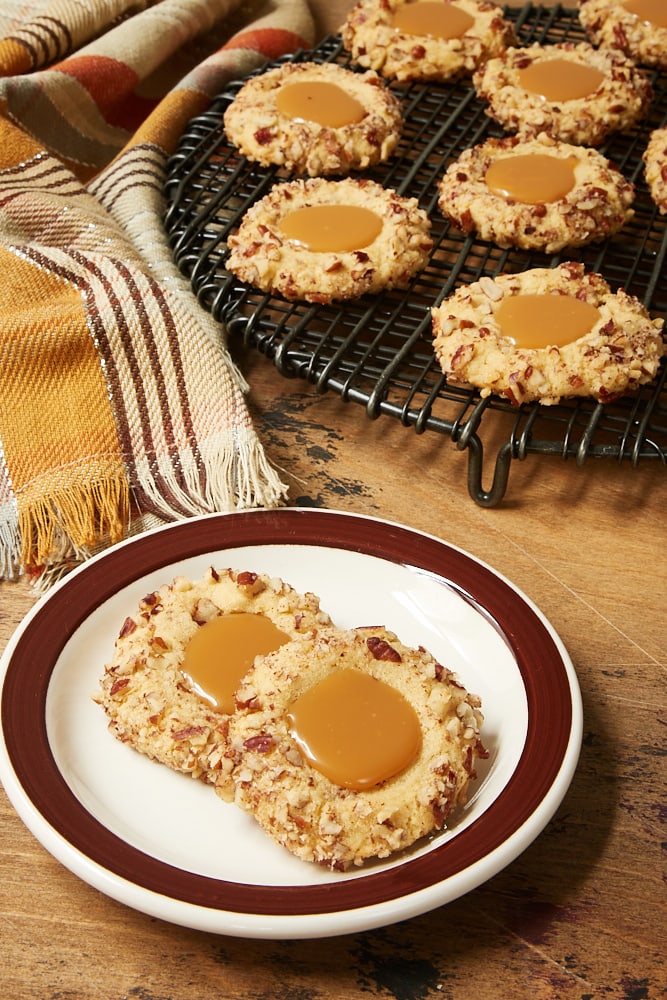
(119, 402)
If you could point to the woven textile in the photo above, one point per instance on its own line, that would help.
(119, 401)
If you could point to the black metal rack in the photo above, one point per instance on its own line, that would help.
(377, 351)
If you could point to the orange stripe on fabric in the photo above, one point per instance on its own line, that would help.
(111, 85)
(56, 423)
(14, 58)
(271, 42)
(15, 145)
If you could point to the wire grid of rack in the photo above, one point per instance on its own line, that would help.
(377, 351)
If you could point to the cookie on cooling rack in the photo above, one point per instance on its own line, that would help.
(409, 40)
(350, 745)
(323, 240)
(315, 119)
(156, 703)
(636, 27)
(547, 334)
(655, 167)
(573, 92)
(535, 194)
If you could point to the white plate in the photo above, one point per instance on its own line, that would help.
(167, 845)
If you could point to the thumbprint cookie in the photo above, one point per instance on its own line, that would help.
(321, 240)
(413, 40)
(637, 28)
(547, 334)
(536, 194)
(349, 745)
(655, 167)
(168, 688)
(573, 92)
(315, 119)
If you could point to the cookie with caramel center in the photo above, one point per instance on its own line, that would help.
(573, 92)
(637, 28)
(315, 119)
(163, 709)
(391, 786)
(407, 40)
(325, 240)
(655, 167)
(547, 334)
(538, 194)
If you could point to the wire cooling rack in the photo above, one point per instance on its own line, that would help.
(377, 351)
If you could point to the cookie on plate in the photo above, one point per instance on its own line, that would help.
(323, 240)
(637, 28)
(547, 334)
(315, 119)
(573, 92)
(350, 745)
(156, 704)
(655, 167)
(407, 40)
(535, 194)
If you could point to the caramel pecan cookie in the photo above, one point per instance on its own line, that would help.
(153, 703)
(407, 40)
(573, 92)
(337, 788)
(655, 167)
(315, 119)
(547, 334)
(535, 193)
(636, 27)
(322, 240)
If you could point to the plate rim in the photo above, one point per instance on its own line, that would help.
(104, 860)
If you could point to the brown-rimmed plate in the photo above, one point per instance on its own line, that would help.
(166, 845)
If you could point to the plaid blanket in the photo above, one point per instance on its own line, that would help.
(119, 401)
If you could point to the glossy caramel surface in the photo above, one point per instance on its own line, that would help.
(436, 19)
(355, 729)
(560, 79)
(538, 321)
(223, 650)
(331, 228)
(650, 11)
(531, 178)
(319, 101)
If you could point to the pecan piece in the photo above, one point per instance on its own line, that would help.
(150, 600)
(251, 580)
(118, 686)
(187, 732)
(381, 650)
(261, 743)
(127, 628)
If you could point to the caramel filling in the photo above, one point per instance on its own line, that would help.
(560, 79)
(332, 228)
(547, 320)
(531, 178)
(321, 102)
(355, 729)
(650, 11)
(437, 19)
(223, 650)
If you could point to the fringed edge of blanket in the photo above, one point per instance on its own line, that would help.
(48, 535)
(59, 526)
(10, 541)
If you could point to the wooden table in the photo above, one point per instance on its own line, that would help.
(581, 914)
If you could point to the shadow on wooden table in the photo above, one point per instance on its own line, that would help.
(529, 909)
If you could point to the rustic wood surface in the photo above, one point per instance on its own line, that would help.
(581, 914)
